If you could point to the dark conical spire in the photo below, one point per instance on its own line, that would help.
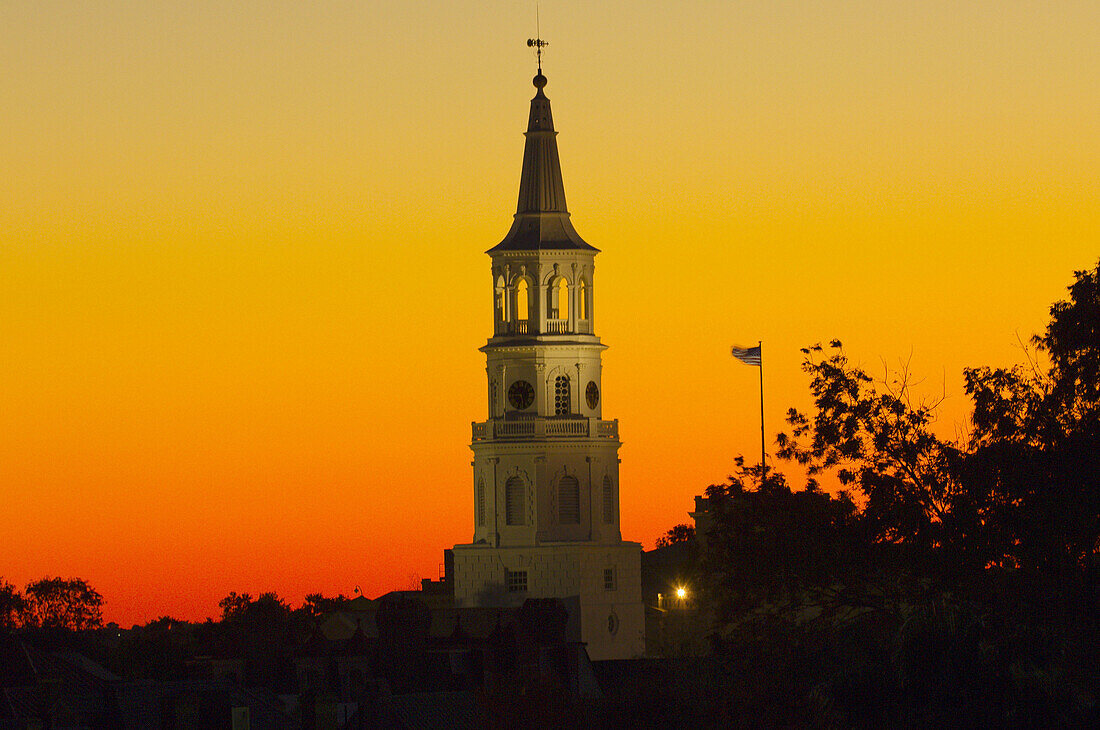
(541, 189)
(542, 219)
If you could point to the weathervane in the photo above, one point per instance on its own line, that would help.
(537, 42)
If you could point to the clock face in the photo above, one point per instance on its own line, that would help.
(592, 394)
(521, 394)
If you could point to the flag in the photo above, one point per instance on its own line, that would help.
(747, 355)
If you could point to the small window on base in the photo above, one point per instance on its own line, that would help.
(516, 581)
(609, 579)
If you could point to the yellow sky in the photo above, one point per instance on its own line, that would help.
(242, 280)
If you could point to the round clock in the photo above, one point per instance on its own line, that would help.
(592, 394)
(521, 394)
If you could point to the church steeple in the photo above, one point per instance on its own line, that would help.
(545, 488)
(542, 219)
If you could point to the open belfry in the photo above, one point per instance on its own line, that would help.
(546, 469)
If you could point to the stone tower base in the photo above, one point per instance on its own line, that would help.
(600, 585)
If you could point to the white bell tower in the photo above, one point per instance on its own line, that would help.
(546, 468)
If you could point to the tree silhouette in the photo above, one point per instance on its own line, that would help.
(57, 603)
(12, 606)
(771, 544)
(257, 630)
(678, 533)
(1034, 457)
(234, 606)
(317, 605)
(959, 585)
(877, 438)
(1072, 340)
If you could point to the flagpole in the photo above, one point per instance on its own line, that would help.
(763, 457)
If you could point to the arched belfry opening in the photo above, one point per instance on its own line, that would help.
(523, 305)
(500, 311)
(557, 306)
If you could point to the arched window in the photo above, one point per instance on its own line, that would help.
(608, 501)
(561, 396)
(563, 299)
(514, 492)
(522, 300)
(582, 300)
(569, 501)
(481, 502)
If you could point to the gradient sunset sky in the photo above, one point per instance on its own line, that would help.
(242, 279)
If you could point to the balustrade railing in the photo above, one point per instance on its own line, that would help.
(553, 327)
(515, 327)
(512, 428)
(545, 428)
(567, 428)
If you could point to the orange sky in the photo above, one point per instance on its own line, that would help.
(242, 280)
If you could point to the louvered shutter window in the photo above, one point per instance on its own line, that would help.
(569, 501)
(514, 490)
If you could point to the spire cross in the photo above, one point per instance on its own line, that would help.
(537, 44)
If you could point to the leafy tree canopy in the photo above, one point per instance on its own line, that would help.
(58, 603)
(959, 577)
(678, 533)
(12, 606)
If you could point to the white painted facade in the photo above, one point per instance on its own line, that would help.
(546, 468)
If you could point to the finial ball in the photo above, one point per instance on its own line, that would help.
(539, 81)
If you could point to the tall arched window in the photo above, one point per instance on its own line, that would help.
(522, 300)
(561, 396)
(481, 502)
(569, 501)
(563, 299)
(582, 300)
(514, 509)
(608, 501)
